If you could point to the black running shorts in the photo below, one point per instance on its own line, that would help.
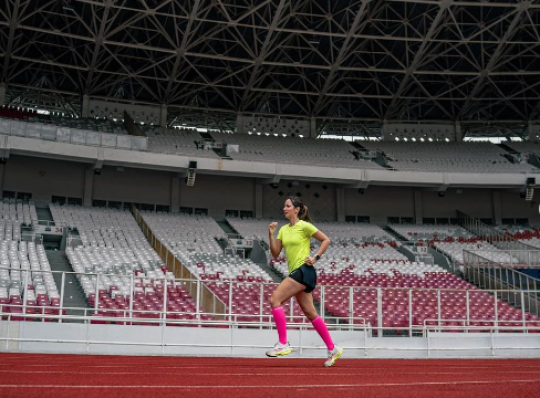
(306, 275)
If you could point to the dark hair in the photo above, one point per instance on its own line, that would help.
(303, 214)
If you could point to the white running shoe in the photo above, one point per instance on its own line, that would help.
(279, 350)
(333, 356)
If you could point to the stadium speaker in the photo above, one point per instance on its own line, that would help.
(2, 160)
(191, 174)
(97, 172)
(441, 194)
(531, 181)
(361, 191)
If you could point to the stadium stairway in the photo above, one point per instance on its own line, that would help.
(218, 151)
(508, 149)
(44, 214)
(228, 229)
(379, 159)
(73, 294)
(393, 233)
(438, 258)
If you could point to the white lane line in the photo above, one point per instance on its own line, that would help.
(206, 367)
(188, 387)
(325, 373)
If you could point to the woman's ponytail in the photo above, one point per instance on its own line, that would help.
(303, 214)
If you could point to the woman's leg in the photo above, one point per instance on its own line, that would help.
(286, 289)
(305, 300)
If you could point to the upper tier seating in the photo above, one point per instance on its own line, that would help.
(525, 148)
(93, 124)
(16, 113)
(302, 151)
(176, 141)
(21, 262)
(114, 246)
(103, 133)
(448, 157)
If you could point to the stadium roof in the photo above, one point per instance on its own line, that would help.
(365, 60)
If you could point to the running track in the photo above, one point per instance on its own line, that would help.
(85, 376)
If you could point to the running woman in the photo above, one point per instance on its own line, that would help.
(295, 237)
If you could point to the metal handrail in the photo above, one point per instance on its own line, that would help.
(198, 285)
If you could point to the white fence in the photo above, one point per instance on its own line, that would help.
(384, 301)
(99, 329)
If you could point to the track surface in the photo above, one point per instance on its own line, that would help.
(88, 376)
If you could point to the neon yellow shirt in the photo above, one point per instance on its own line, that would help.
(296, 242)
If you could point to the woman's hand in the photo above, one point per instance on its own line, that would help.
(272, 228)
(310, 261)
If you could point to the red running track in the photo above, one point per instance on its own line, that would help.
(88, 376)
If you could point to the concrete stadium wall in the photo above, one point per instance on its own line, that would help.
(44, 178)
(133, 185)
(154, 340)
(475, 202)
(319, 197)
(380, 202)
(512, 205)
(219, 194)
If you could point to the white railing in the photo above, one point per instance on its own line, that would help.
(261, 318)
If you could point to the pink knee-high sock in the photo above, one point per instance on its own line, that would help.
(320, 327)
(281, 324)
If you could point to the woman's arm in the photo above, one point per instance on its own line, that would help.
(325, 242)
(275, 244)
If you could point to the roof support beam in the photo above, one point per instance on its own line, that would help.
(345, 48)
(268, 40)
(13, 23)
(419, 56)
(181, 52)
(98, 40)
(482, 78)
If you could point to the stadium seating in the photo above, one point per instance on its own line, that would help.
(398, 278)
(407, 156)
(18, 213)
(16, 113)
(176, 141)
(20, 278)
(358, 265)
(339, 231)
(302, 151)
(192, 238)
(448, 157)
(452, 240)
(114, 248)
(523, 233)
(524, 148)
(93, 124)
